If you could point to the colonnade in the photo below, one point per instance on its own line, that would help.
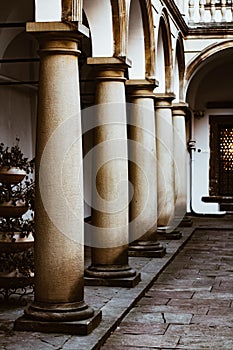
(121, 218)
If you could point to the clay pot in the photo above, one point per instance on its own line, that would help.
(11, 175)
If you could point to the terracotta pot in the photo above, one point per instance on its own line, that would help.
(8, 210)
(11, 175)
(8, 281)
(16, 243)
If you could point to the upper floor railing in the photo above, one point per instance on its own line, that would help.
(210, 11)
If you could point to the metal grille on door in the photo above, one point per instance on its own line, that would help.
(226, 160)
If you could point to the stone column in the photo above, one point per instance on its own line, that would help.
(110, 179)
(165, 168)
(142, 170)
(180, 156)
(59, 250)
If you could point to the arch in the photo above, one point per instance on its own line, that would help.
(179, 69)
(209, 51)
(119, 21)
(164, 54)
(149, 39)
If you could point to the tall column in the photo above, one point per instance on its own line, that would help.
(110, 196)
(142, 170)
(180, 156)
(59, 219)
(165, 168)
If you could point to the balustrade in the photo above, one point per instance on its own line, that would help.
(210, 11)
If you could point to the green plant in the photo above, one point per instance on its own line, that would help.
(14, 157)
(23, 192)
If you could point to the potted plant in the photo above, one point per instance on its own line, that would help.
(16, 232)
(14, 166)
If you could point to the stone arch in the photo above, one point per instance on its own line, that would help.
(119, 21)
(148, 27)
(179, 69)
(164, 54)
(202, 65)
(209, 51)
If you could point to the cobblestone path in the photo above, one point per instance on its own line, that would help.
(190, 305)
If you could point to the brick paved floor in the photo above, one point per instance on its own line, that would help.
(190, 305)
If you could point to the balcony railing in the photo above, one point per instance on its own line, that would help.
(210, 11)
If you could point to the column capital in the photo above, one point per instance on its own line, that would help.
(179, 109)
(109, 61)
(76, 28)
(109, 68)
(141, 87)
(57, 37)
(163, 100)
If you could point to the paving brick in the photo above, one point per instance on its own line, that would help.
(198, 301)
(212, 321)
(213, 295)
(192, 309)
(206, 343)
(148, 340)
(147, 301)
(139, 328)
(170, 294)
(216, 311)
(199, 330)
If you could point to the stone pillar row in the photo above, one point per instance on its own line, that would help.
(119, 216)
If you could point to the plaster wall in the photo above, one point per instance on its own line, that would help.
(99, 16)
(47, 11)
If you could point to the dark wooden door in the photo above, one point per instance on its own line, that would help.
(221, 156)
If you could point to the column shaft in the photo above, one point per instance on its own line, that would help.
(180, 156)
(142, 170)
(110, 177)
(59, 217)
(165, 169)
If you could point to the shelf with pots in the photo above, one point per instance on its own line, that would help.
(16, 220)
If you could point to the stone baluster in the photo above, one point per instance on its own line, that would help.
(212, 10)
(191, 10)
(202, 10)
(223, 10)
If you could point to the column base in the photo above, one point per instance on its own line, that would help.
(163, 233)
(83, 327)
(147, 249)
(71, 318)
(186, 222)
(111, 276)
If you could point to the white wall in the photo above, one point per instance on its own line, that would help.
(99, 16)
(48, 10)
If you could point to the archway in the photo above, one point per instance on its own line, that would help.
(209, 94)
